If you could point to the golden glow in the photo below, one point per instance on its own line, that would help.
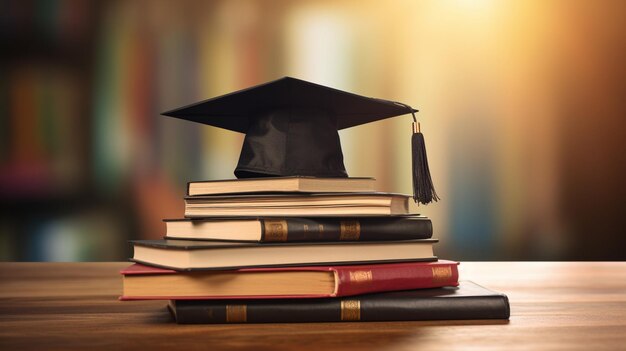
(520, 103)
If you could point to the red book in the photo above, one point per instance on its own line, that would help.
(150, 283)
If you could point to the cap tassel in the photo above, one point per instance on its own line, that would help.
(423, 188)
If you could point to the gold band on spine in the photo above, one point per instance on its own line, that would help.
(350, 310)
(275, 230)
(441, 274)
(350, 230)
(361, 277)
(236, 313)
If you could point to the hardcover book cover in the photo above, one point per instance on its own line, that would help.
(298, 205)
(467, 301)
(292, 229)
(273, 283)
(221, 255)
(288, 184)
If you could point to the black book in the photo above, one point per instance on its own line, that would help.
(467, 301)
(291, 229)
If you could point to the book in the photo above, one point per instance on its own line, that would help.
(298, 205)
(467, 301)
(291, 229)
(189, 255)
(281, 184)
(150, 283)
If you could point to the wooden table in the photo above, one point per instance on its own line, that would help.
(570, 306)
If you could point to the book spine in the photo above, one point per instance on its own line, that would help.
(365, 308)
(341, 229)
(365, 280)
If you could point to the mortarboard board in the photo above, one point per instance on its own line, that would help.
(292, 125)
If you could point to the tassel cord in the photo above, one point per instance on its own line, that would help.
(423, 187)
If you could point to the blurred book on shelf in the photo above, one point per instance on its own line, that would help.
(49, 209)
(42, 152)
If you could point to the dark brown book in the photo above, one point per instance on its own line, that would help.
(190, 255)
(281, 184)
(292, 229)
(298, 205)
(467, 301)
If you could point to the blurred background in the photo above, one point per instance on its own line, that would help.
(522, 103)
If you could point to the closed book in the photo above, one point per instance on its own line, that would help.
(298, 205)
(290, 229)
(149, 283)
(220, 255)
(281, 184)
(467, 301)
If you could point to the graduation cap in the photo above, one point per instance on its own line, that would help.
(292, 125)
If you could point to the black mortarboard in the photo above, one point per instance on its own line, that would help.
(291, 128)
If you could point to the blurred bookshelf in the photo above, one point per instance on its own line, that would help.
(49, 207)
(87, 163)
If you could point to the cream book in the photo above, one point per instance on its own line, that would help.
(281, 184)
(193, 255)
(301, 205)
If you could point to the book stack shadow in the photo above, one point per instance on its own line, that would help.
(302, 249)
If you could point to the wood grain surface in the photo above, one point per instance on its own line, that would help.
(64, 306)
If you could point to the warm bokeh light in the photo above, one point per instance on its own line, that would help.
(521, 104)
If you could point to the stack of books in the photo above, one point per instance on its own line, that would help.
(301, 249)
